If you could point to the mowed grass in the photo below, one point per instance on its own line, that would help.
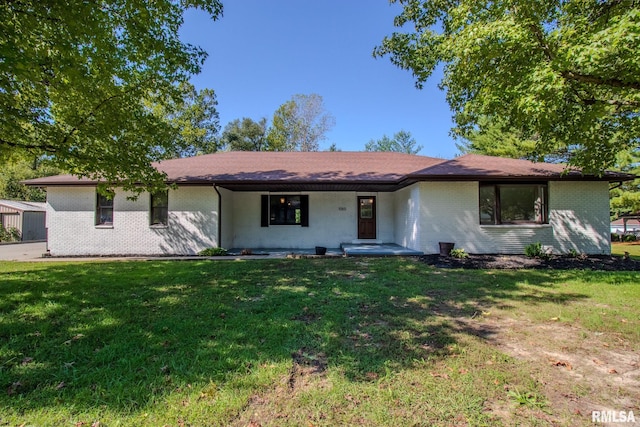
(281, 342)
(633, 248)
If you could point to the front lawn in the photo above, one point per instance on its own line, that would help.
(619, 248)
(385, 341)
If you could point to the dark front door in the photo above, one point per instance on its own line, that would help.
(367, 217)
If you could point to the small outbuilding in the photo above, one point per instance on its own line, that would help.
(26, 217)
(629, 223)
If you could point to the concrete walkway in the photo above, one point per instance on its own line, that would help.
(36, 251)
(22, 251)
(345, 249)
(375, 249)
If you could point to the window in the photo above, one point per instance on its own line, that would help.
(513, 203)
(159, 214)
(285, 210)
(104, 209)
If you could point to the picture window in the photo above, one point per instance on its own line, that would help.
(513, 204)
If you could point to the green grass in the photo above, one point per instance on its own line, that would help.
(619, 248)
(374, 341)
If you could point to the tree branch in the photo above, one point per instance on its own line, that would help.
(600, 81)
(91, 114)
(44, 147)
(539, 35)
(613, 102)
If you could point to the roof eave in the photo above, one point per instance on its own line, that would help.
(523, 178)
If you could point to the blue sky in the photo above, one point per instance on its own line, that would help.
(261, 53)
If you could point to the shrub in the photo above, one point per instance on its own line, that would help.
(458, 253)
(10, 234)
(535, 250)
(213, 252)
(577, 255)
(629, 238)
(615, 237)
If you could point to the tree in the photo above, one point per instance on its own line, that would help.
(196, 121)
(625, 198)
(300, 124)
(402, 142)
(19, 168)
(492, 138)
(565, 73)
(77, 77)
(280, 135)
(245, 135)
(333, 147)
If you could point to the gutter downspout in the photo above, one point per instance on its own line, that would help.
(215, 187)
(616, 186)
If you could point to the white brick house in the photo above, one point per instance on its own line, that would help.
(301, 200)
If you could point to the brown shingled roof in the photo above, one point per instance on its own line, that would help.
(382, 171)
(479, 167)
(296, 166)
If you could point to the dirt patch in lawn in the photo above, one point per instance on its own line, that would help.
(579, 371)
(307, 372)
(592, 262)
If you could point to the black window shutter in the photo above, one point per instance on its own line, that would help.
(264, 211)
(304, 211)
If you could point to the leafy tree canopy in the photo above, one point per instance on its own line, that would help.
(300, 124)
(195, 118)
(77, 78)
(402, 142)
(245, 135)
(625, 198)
(563, 73)
(17, 169)
(492, 139)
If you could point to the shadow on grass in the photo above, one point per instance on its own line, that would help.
(122, 335)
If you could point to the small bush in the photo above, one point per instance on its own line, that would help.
(615, 237)
(213, 252)
(10, 234)
(535, 250)
(629, 238)
(573, 253)
(577, 255)
(458, 253)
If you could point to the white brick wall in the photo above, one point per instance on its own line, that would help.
(332, 220)
(580, 216)
(417, 217)
(72, 230)
(407, 217)
(449, 211)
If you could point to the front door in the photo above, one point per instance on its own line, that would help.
(367, 217)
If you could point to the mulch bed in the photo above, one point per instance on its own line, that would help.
(511, 262)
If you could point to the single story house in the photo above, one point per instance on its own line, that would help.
(305, 199)
(26, 217)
